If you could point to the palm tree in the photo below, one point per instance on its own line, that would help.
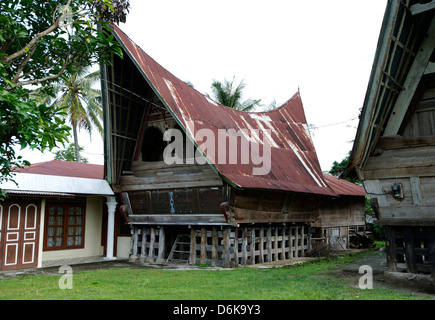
(81, 100)
(229, 95)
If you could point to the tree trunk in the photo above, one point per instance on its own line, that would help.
(76, 144)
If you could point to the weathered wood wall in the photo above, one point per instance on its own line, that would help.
(253, 206)
(409, 160)
(341, 212)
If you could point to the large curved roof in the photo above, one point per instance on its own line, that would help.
(294, 165)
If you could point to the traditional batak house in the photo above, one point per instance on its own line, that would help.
(58, 212)
(242, 189)
(394, 148)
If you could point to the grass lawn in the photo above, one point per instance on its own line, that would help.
(310, 281)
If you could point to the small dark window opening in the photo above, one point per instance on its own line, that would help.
(153, 145)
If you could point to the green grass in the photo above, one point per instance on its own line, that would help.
(312, 280)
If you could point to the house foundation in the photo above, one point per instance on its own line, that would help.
(223, 246)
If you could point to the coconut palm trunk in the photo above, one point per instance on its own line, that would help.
(76, 143)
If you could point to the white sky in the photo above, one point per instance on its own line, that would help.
(324, 48)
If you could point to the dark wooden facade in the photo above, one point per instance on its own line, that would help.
(340, 218)
(394, 148)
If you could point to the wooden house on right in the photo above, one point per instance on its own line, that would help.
(394, 148)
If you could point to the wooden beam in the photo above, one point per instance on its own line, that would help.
(252, 216)
(269, 244)
(399, 173)
(226, 248)
(203, 254)
(161, 253)
(261, 246)
(144, 245)
(245, 246)
(252, 248)
(151, 249)
(133, 256)
(214, 247)
(399, 142)
(390, 249)
(276, 249)
(283, 243)
(415, 190)
(409, 250)
(192, 255)
(186, 219)
(406, 222)
(422, 7)
(412, 80)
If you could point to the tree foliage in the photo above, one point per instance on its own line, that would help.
(229, 94)
(69, 154)
(339, 167)
(39, 42)
(82, 102)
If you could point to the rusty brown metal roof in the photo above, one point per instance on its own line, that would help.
(65, 169)
(343, 187)
(294, 163)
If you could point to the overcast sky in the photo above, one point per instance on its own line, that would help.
(324, 48)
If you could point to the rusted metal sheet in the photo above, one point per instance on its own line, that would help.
(65, 169)
(343, 187)
(294, 165)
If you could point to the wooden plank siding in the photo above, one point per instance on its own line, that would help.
(409, 160)
(255, 206)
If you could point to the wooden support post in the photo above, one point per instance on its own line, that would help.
(309, 238)
(192, 256)
(390, 249)
(269, 244)
(431, 247)
(252, 249)
(236, 246)
(143, 245)
(276, 249)
(261, 246)
(283, 243)
(226, 248)
(161, 253)
(303, 241)
(135, 236)
(296, 241)
(214, 247)
(151, 249)
(203, 254)
(411, 265)
(245, 246)
(290, 245)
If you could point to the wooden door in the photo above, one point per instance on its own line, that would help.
(19, 235)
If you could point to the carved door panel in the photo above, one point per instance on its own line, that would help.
(19, 235)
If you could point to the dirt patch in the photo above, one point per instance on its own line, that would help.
(382, 278)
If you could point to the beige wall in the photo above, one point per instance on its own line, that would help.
(93, 227)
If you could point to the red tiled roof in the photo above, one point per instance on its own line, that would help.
(66, 169)
(344, 187)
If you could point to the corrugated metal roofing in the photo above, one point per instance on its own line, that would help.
(29, 183)
(59, 178)
(66, 169)
(343, 187)
(294, 163)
